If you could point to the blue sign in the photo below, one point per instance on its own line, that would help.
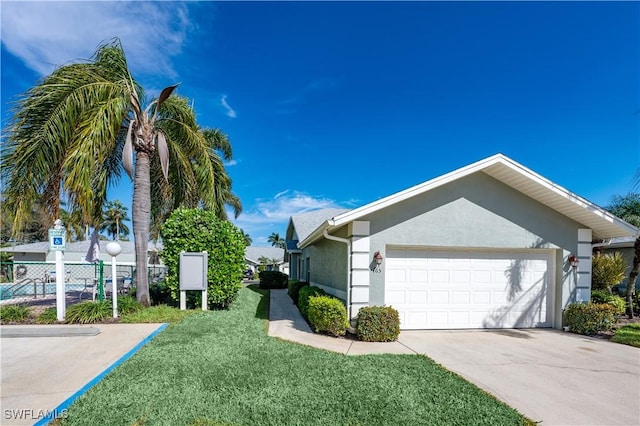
(57, 239)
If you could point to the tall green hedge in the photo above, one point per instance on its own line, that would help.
(195, 230)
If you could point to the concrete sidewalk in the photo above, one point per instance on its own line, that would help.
(43, 366)
(286, 322)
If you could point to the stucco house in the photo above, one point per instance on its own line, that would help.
(253, 254)
(485, 246)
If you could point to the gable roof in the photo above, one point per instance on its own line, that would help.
(307, 222)
(254, 253)
(603, 224)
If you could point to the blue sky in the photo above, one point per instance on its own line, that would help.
(337, 104)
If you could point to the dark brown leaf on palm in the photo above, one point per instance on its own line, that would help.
(166, 92)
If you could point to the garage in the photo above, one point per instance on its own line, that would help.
(464, 289)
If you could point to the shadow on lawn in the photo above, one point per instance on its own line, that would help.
(262, 310)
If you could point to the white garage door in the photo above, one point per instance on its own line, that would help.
(438, 289)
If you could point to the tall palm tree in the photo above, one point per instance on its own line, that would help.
(275, 240)
(247, 238)
(112, 217)
(75, 131)
(73, 223)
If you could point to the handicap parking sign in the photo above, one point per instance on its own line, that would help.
(57, 239)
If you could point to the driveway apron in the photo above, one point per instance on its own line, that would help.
(550, 376)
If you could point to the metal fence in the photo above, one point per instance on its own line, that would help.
(35, 282)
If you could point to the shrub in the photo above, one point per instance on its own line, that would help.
(89, 312)
(14, 313)
(273, 279)
(603, 296)
(128, 305)
(378, 324)
(303, 298)
(328, 314)
(48, 316)
(607, 270)
(590, 318)
(194, 230)
(294, 289)
(160, 294)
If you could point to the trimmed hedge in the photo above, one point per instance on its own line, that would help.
(294, 289)
(328, 314)
(603, 296)
(303, 298)
(273, 279)
(590, 318)
(378, 324)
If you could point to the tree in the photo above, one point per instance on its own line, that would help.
(276, 241)
(628, 209)
(74, 132)
(607, 270)
(247, 238)
(112, 217)
(73, 224)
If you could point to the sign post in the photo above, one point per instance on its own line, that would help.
(57, 241)
(193, 276)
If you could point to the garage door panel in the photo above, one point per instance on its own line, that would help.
(456, 289)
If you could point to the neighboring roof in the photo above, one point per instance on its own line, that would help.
(128, 247)
(603, 224)
(253, 253)
(307, 222)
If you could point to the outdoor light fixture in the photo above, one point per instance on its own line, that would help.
(377, 257)
(573, 260)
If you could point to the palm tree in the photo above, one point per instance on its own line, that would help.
(276, 241)
(112, 217)
(75, 131)
(73, 223)
(247, 238)
(628, 209)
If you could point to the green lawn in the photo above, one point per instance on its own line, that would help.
(221, 368)
(628, 335)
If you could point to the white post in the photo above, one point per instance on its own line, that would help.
(60, 279)
(60, 287)
(114, 249)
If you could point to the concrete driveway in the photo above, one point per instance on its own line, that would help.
(552, 377)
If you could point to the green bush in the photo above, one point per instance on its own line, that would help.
(294, 289)
(89, 312)
(14, 313)
(607, 270)
(48, 316)
(273, 279)
(194, 230)
(160, 294)
(328, 314)
(590, 318)
(378, 324)
(303, 298)
(128, 305)
(603, 296)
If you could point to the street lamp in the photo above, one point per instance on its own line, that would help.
(114, 249)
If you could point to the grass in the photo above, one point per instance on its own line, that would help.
(14, 313)
(628, 335)
(220, 368)
(157, 314)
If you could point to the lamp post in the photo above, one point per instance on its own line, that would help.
(114, 249)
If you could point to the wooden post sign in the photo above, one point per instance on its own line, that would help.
(193, 276)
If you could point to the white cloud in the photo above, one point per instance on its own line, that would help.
(48, 34)
(230, 163)
(273, 215)
(230, 112)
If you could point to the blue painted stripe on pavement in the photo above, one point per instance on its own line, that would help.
(58, 410)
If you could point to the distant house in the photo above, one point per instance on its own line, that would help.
(274, 255)
(489, 245)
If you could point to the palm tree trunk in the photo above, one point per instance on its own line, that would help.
(141, 209)
(631, 284)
